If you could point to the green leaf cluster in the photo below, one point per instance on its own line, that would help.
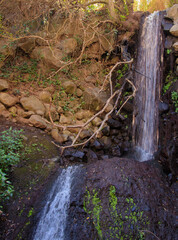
(10, 145)
(174, 96)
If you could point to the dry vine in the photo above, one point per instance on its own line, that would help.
(116, 94)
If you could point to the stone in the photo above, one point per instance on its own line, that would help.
(163, 107)
(83, 114)
(3, 85)
(45, 97)
(6, 50)
(117, 151)
(106, 131)
(79, 92)
(50, 89)
(174, 30)
(51, 58)
(97, 121)
(37, 121)
(64, 119)
(114, 123)
(69, 87)
(27, 45)
(54, 113)
(91, 156)
(128, 106)
(13, 110)
(97, 145)
(175, 46)
(67, 46)
(106, 141)
(172, 13)
(7, 99)
(85, 134)
(60, 110)
(167, 24)
(57, 137)
(5, 114)
(169, 41)
(78, 155)
(2, 107)
(66, 135)
(94, 99)
(32, 103)
(23, 120)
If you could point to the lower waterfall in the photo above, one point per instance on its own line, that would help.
(53, 218)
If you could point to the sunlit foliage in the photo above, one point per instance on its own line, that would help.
(153, 5)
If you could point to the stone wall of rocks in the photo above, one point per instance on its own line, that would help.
(34, 111)
(170, 26)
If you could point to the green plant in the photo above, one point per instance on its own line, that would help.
(168, 51)
(174, 96)
(6, 189)
(95, 201)
(10, 145)
(168, 82)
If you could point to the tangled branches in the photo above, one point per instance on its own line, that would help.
(114, 95)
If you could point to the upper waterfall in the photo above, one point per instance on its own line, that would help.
(147, 81)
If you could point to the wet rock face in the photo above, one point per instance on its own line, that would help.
(121, 197)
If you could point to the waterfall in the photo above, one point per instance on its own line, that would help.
(53, 218)
(147, 80)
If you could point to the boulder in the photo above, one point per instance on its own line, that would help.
(2, 107)
(83, 114)
(174, 30)
(175, 46)
(27, 45)
(7, 99)
(54, 113)
(167, 24)
(57, 137)
(94, 99)
(85, 134)
(37, 121)
(49, 57)
(79, 92)
(65, 120)
(69, 87)
(172, 13)
(163, 107)
(169, 41)
(24, 114)
(67, 46)
(45, 96)
(114, 123)
(32, 103)
(13, 110)
(3, 85)
(97, 121)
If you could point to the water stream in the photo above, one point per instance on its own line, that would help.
(53, 218)
(149, 64)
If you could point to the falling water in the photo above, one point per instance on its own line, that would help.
(147, 81)
(54, 215)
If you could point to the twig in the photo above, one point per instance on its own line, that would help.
(110, 74)
(150, 233)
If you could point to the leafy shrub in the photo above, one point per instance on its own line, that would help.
(174, 96)
(10, 145)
